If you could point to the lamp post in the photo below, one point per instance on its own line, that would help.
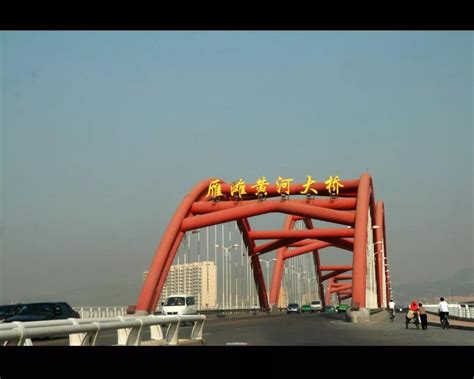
(198, 232)
(303, 286)
(225, 253)
(188, 251)
(298, 288)
(292, 283)
(267, 263)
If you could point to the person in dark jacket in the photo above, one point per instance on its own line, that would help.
(423, 316)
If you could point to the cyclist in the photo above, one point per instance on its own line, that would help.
(443, 312)
(391, 309)
(413, 313)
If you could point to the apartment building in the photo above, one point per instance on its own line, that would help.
(198, 279)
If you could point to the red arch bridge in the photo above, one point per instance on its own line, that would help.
(351, 206)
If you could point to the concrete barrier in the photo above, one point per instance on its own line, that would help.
(362, 315)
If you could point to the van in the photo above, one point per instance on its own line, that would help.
(316, 306)
(180, 305)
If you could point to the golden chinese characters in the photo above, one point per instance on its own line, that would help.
(238, 187)
(283, 184)
(333, 184)
(215, 189)
(307, 185)
(261, 186)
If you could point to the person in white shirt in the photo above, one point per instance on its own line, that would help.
(443, 309)
(391, 308)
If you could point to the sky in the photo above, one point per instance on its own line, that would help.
(102, 134)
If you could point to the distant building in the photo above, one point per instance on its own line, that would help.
(198, 279)
(282, 298)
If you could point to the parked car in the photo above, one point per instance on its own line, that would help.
(306, 308)
(316, 306)
(330, 309)
(10, 310)
(293, 308)
(44, 311)
(343, 307)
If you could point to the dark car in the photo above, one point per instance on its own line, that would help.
(293, 308)
(10, 310)
(43, 312)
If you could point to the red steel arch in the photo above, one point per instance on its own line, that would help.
(351, 209)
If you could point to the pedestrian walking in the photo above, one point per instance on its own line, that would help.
(423, 316)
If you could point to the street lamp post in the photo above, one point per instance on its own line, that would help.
(225, 253)
(267, 263)
(188, 251)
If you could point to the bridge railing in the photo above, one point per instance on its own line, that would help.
(117, 311)
(461, 311)
(105, 311)
(85, 332)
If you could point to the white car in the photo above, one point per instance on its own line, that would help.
(180, 305)
(316, 306)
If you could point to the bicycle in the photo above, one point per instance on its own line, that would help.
(392, 315)
(445, 322)
(415, 319)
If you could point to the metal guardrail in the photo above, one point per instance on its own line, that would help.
(461, 311)
(117, 311)
(109, 311)
(84, 332)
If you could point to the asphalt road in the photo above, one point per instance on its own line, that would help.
(309, 330)
(329, 330)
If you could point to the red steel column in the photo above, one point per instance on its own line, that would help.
(389, 294)
(359, 260)
(244, 227)
(317, 264)
(279, 265)
(254, 209)
(166, 269)
(306, 249)
(378, 248)
(328, 291)
(155, 271)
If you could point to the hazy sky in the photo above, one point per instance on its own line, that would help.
(103, 134)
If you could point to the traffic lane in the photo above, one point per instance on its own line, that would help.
(328, 330)
(286, 330)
